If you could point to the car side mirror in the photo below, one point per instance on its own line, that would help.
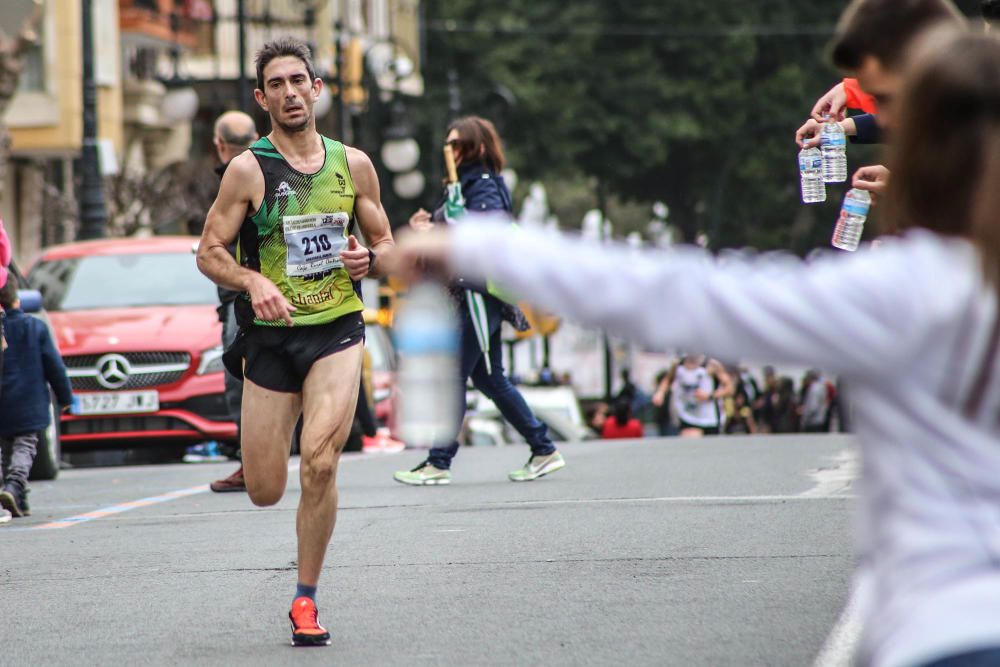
(31, 300)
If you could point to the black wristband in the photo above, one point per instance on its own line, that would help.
(371, 260)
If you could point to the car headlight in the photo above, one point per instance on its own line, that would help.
(211, 361)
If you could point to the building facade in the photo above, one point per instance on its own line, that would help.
(164, 70)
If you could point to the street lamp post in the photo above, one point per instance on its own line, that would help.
(243, 89)
(93, 214)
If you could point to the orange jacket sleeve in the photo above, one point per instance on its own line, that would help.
(859, 99)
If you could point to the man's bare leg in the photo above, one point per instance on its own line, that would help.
(329, 398)
(268, 421)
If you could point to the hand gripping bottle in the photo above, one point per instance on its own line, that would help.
(427, 340)
(851, 223)
(811, 175)
(833, 144)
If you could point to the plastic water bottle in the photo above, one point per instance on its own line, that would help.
(811, 175)
(427, 339)
(850, 225)
(833, 143)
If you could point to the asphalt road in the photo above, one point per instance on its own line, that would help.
(724, 551)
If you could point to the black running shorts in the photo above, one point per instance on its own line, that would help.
(279, 358)
(707, 430)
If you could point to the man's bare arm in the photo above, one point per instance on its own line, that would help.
(241, 182)
(371, 216)
(726, 385)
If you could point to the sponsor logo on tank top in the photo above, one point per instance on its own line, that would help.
(284, 190)
(341, 184)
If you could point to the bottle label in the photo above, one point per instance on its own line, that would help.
(835, 141)
(859, 209)
(808, 163)
(416, 340)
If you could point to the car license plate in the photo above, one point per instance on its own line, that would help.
(107, 403)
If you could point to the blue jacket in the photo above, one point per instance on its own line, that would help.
(30, 364)
(868, 130)
(484, 190)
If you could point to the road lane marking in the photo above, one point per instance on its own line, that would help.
(842, 642)
(126, 506)
(145, 502)
(121, 507)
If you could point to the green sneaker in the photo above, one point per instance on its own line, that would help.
(538, 466)
(423, 475)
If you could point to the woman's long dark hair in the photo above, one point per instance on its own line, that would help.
(478, 140)
(945, 160)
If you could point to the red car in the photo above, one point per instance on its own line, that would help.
(136, 324)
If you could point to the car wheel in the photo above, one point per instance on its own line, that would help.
(46, 465)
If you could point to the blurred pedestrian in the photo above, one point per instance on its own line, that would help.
(621, 423)
(784, 407)
(699, 384)
(913, 326)
(764, 405)
(5, 257)
(235, 131)
(814, 402)
(663, 413)
(292, 203)
(738, 413)
(33, 365)
(479, 156)
(597, 415)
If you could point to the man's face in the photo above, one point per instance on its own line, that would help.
(289, 93)
(881, 83)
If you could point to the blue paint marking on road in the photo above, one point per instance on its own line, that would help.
(112, 510)
(121, 507)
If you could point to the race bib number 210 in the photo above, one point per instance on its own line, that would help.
(314, 242)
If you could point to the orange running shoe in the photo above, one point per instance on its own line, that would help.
(306, 630)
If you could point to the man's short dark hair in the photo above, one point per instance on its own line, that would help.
(990, 9)
(8, 293)
(885, 29)
(285, 46)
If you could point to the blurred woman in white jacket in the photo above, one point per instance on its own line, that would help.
(914, 327)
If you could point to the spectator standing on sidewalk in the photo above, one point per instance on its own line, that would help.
(33, 365)
(235, 131)
(663, 409)
(814, 405)
(621, 424)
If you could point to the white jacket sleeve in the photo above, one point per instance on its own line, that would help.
(848, 314)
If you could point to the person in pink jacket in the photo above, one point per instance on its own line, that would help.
(4, 254)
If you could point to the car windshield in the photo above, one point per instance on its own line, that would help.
(122, 281)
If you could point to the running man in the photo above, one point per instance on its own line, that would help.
(291, 203)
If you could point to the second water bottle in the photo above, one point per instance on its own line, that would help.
(833, 144)
(851, 223)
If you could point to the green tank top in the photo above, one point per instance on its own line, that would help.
(295, 238)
